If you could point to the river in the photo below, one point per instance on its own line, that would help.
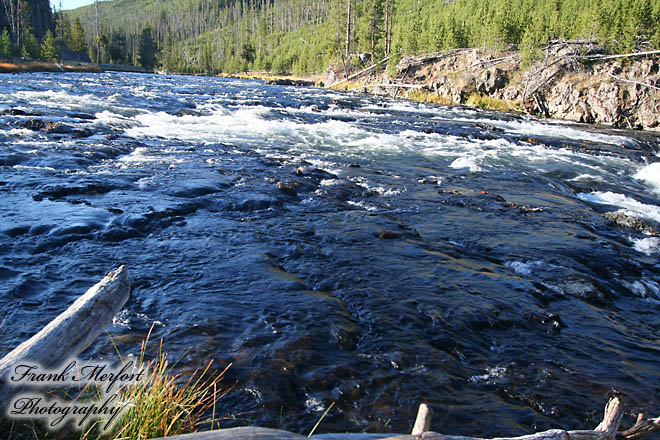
(340, 248)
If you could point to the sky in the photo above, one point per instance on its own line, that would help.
(69, 4)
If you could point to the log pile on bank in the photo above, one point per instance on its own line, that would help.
(569, 80)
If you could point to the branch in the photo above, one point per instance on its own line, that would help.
(624, 55)
(355, 75)
(641, 428)
(635, 82)
(606, 430)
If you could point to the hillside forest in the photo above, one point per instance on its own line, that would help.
(304, 36)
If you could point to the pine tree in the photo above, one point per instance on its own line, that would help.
(6, 48)
(77, 40)
(529, 46)
(49, 47)
(30, 47)
(147, 50)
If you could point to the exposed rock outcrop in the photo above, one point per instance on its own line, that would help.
(570, 81)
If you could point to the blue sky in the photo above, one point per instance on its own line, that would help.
(69, 4)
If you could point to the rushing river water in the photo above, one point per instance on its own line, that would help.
(340, 248)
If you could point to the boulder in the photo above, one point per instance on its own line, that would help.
(491, 80)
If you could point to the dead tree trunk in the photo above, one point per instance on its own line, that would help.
(71, 332)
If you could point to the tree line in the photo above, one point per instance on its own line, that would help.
(24, 25)
(304, 36)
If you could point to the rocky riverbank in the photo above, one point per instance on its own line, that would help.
(570, 81)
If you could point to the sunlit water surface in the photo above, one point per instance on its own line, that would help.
(411, 253)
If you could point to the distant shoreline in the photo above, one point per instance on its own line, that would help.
(26, 66)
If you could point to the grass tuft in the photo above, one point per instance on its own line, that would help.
(162, 404)
(489, 103)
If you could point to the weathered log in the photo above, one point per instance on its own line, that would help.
(361, 72)
(638, 83)
(641, 428)
(623, 55)
(71, 332)
(423, 420)
(606, 430)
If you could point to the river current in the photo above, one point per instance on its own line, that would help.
(340, 248)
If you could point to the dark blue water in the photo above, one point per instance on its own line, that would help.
(340, 248)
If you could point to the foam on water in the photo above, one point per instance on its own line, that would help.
(650, 175)
(587, 177)
(553, 129)
(262, 127)
(466, 162)
(649, 246)
(634, 207)
(525, 268)
(62, 99)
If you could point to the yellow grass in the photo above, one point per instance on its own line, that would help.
(489, 103)
(162, 406)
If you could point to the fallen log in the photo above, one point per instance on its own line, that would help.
(623, 55)
(608, 429)
(361, 72)
(400, 85)
(638, 83)
(71, 332)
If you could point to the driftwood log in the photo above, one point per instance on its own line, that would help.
(608, 429)
(361, 72)
(71, 332)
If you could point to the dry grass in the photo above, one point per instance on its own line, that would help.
(160, 407)
(39, 66)
(426, 96)
(489, 103)
(267, 76)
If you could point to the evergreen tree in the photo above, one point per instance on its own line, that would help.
(6, 48)
(529, 46)
(30, 47)
(77, 41)
(147, 51)
(117, 48)
(49, 48)
(102, 52)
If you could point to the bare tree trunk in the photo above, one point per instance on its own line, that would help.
(373, 30)
(348, 28)
(10, 11)
(18, 15)
(98, 43)
(387, 27)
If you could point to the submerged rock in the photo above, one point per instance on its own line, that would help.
(49, 127)
(287, 188)
(389, 235)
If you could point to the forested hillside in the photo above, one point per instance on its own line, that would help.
(304, 36)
